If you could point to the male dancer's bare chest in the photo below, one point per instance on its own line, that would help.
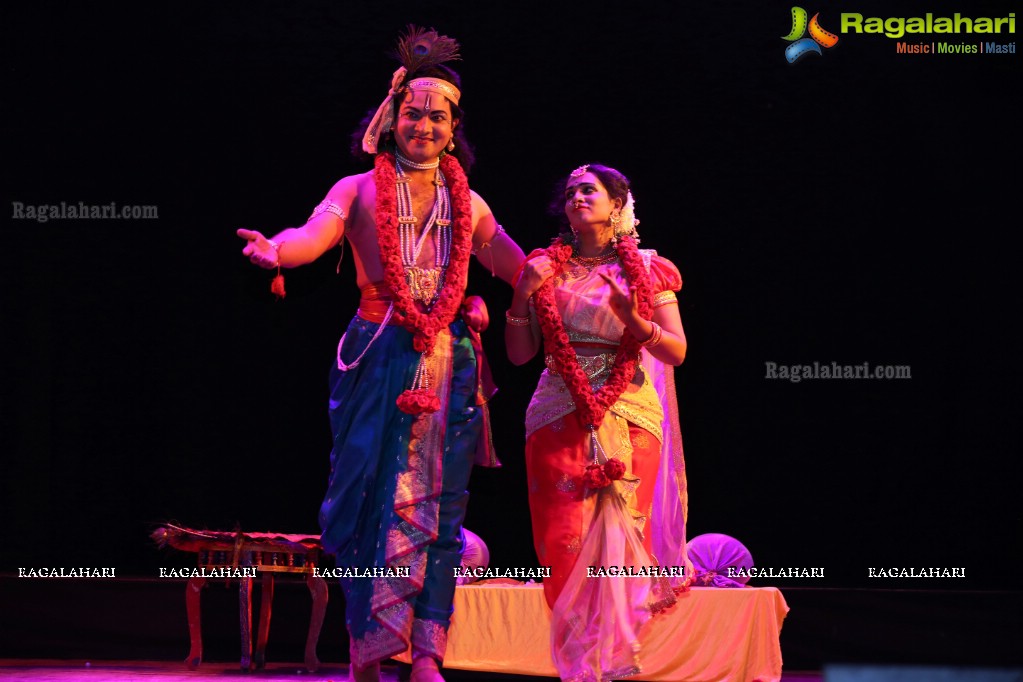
(362, 232)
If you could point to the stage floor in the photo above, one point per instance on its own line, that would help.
(171, 671)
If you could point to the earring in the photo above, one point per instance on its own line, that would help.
(451, 145)
(616, 220)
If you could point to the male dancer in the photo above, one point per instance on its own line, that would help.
(406, 411)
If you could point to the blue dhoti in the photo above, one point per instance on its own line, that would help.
(397, 493)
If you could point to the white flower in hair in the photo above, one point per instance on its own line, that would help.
(628, 224)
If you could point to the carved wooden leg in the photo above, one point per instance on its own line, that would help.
(193, 591)
(245, 618)
(266, 597)
(318, 588)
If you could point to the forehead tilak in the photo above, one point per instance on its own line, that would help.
(430, 104)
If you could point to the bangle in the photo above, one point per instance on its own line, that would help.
(277, 249)
(655, 336)
(516, 321)
(277, 284)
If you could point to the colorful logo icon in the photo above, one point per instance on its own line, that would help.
(801, 46)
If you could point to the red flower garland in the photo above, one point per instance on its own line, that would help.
(424, 326)
(592, 405)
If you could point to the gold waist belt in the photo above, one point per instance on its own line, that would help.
(593, 366)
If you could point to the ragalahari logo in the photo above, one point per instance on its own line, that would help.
(801, 46)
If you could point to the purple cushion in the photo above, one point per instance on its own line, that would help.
(713, 554)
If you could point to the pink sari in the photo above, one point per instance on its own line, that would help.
(637, 522)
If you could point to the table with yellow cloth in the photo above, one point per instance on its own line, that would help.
(711, 635)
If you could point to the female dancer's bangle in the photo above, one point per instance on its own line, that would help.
(655, 336)
(516, 321)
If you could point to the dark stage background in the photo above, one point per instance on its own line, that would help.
(857, 206)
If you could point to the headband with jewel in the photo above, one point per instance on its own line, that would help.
(417, 50)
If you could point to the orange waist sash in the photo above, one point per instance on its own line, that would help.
(376, 299)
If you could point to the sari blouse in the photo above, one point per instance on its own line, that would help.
(583, 300)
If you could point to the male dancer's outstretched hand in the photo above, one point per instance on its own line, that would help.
(259, 250)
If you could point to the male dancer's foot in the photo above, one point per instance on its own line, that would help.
(370, 673)
(425, 669)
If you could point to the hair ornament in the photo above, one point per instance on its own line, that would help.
(628, 223)
(420, 49)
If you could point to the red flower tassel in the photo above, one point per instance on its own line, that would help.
(418, 401)
(614, 468)
(277, 285)
(595, 478)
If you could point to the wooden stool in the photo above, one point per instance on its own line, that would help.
(222, 554)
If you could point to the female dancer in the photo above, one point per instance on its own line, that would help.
(607, 487)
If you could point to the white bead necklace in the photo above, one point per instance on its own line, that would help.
(415, 165)
(424, 283)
